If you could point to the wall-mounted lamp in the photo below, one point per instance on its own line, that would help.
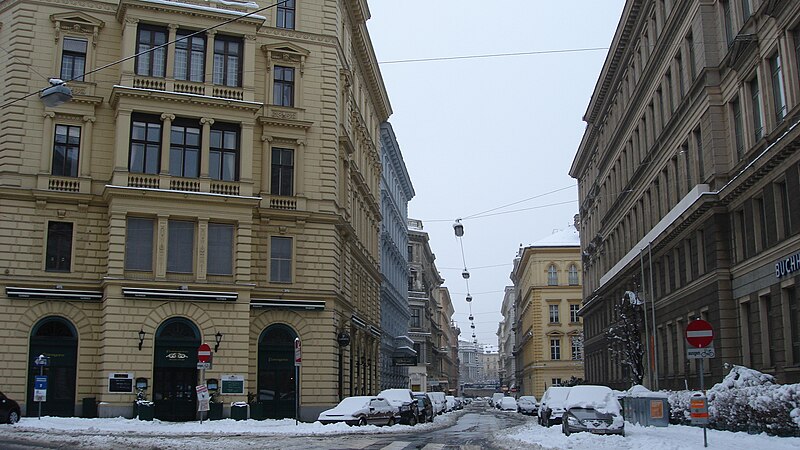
(218, 338)
(141, 338)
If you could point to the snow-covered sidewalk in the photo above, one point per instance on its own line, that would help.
(673, 437)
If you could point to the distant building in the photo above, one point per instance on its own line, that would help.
(489, 363)
(549, 331)
(469, 366)
(397, 349)
(506, 340)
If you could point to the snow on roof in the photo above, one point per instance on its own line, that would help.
(248, 5)
(568, 237)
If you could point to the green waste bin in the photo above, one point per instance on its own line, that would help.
(239, 411)
(257, 411)
(144, 410)
(215, 411)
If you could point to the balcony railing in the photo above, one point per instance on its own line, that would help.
(204, 185)
(188, 87)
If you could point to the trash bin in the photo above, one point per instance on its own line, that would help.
(257, 411)
(89, 408)
(239, 411)
(215, 411)
(144, 410)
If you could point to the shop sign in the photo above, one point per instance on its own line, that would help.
(120, 383)
(404, 360)
(787, 266)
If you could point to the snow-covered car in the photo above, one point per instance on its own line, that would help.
(361, 410)
(495, 399)
(450, 403)
(551, 406)
(508, 404)
(594, 409)
(404, 401)
(439, 401)
(526, 404)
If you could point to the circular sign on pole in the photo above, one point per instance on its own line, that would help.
(699, 333)
(203, 353)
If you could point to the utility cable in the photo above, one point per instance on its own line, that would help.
(493, 55)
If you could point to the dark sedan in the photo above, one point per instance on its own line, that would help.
(9, 410)
(425, 406)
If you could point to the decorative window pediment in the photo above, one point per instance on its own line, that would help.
(555, 334)
(286, 53)
(76, 22)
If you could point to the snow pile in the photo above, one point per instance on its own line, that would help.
(748, 400)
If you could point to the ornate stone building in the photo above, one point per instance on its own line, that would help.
(397, 349)
(549, 342)
(690, 189)
(506, 338)
(220, 186)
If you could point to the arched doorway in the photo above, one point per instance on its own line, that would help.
(175, 370)
(276, 392)
(56, 338)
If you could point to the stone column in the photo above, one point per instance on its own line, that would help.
(129, 48)
(162, 225)
(266, 145)
(166, 129)
(169, 71)
(47, 142)
(209, 69)
(246, 156)
(205, 137)
(86, 147)
(121, 145)
(202, 248)
(249, 67)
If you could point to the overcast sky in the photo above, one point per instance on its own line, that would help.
(481, 133)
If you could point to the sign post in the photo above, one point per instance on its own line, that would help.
(203, 363)
(40, 382)
(699, 336)
(297, 361)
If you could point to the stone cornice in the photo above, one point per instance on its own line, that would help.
(178, 8)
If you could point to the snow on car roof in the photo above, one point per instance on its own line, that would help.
(355, 402)
(599, 398)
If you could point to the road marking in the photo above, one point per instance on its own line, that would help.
(396, 445)
(433, 447)
(359, 444)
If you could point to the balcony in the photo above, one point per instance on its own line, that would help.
(189, 87)
(170, 183)
(71, 185)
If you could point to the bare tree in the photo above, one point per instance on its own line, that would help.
(624, 336)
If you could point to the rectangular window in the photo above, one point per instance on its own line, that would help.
(285, 15)
(283, 86)
(180, 248)
(746, 12)
(552, 276)
(573, 275)
(728, 20)
(738, 127)
(65, 151)
(227, 61)
(555, 381)
(555, 349)
(151, 63)
(139, 244)
(796, 41)
(223, 152)
(220, 249)
(573, 313)
(145, 151)
(59, 247)
(416, 319)
(282, 172)
(784, 217)
(755, 95)
(681, 85)
(778, 91)
(760, 222)
(554, 314)
(280, 270)
(190, 56)
(698, 145)
(692, 62)
(184, 150)
(73, 59)
(577, 349)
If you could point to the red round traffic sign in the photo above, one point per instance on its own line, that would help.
(203, 353)
(699, 333)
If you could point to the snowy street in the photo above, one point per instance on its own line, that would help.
(477, 427)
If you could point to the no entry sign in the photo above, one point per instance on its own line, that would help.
(203, 353)
(699, 334)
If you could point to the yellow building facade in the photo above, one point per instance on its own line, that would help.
(549, 332)
(216, 181)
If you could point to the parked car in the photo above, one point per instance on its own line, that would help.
(594, 409)
(527, 404)
(450, 403)
(439, 401)
(9, 410)
(460, 403)
(361, 410)
(404, 400)
(552, 405)
(425, 406)
(508, 404)
(495, 399)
